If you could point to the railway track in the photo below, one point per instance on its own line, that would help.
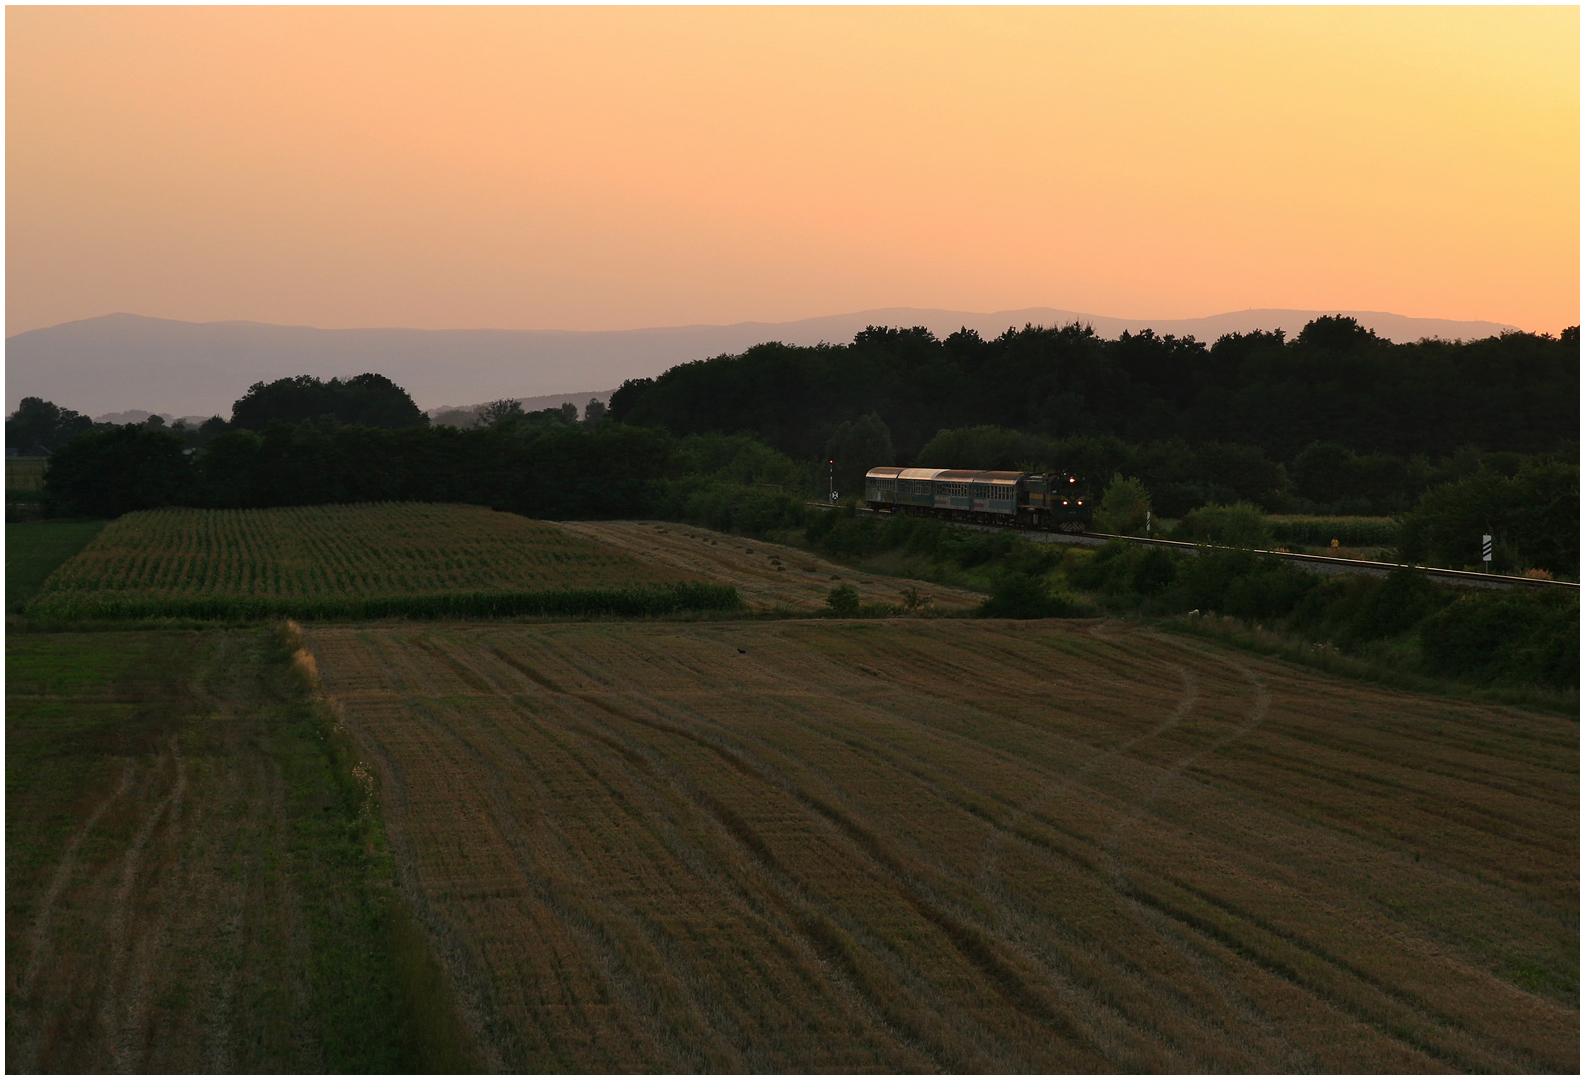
(1321, 564)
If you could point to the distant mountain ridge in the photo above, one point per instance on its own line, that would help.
(120, 362)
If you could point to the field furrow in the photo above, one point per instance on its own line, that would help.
(965, 846)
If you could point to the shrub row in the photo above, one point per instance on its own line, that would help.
(726, 506)
(1517, 637)
(656, 600)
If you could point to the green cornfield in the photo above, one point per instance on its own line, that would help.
(371, 560)
(24, 477)
(1321, 531)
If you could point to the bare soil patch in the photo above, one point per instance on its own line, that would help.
(965, 846)
(767, 576)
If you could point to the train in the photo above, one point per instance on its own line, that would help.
(1050, 501)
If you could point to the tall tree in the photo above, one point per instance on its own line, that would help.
(369, 399)
(42, 424)
(857, 447)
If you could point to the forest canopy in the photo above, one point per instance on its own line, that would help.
(1334, 383)
(369, 400)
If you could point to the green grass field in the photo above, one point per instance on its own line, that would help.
(34, 549)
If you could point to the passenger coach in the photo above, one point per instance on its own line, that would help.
(1028, 500)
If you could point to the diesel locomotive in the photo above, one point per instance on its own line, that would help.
(1028, 500)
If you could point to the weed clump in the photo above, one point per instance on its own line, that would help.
(843, 601)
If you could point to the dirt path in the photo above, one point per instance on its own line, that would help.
(966, 846)
(767, 576)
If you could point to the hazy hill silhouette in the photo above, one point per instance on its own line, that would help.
(119, 362)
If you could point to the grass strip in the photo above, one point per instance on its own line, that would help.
(286, 949)
(630, 602)
(428, 1015)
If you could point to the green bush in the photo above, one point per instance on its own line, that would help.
(1534, 517)
(1124, 508)
(1026, 596)
(985, 447)
(725, 506)
(846, 533)
(1121, 568)
(1357, 608)
(1239, 583)
(1153, 570)
(1511, 636)
(1240, 525)
(843, 601)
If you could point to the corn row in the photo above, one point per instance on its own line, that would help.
(185, 561)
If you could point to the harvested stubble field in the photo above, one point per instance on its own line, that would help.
(767, 576)
(950, 845)
(361, 561)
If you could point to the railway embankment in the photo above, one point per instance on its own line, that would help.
(1318, 564)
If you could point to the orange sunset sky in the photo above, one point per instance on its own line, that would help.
(606, 168)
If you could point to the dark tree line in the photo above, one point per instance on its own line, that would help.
(39, 426)
(568, 470)
(1335, 382)
(560, 471)
(1322, 478)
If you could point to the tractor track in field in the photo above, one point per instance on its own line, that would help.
(796, 912)
(180, 925)
(628, 809)
(38, 937)
(125, 1007)
(975, 940)
(972, 943)
(782, 902)
(1175, 927)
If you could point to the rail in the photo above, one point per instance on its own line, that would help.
(1358, 566)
